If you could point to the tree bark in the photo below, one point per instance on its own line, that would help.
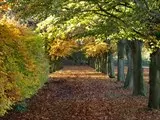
(91, 62)
(154, 76)
(121, 51)
(93, 59)
(111, 66)
(97, 64)
(129, 77)
(138, 82)
(101, 60)
(104, 63)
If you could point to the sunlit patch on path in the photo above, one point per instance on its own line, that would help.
(78, 72)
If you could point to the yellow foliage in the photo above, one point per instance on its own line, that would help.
(95, 48)
(61, 48)
(5, 6)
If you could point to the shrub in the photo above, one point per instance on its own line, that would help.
(23, 67)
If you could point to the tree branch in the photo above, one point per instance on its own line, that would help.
(139, 33)
(110, 14)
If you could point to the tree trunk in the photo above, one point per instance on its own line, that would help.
(94, 62)
(138, 82)
(129, 77)
(154, 76)
(104, 63)
(91, 62)
(101, 67)
(111, 66)
(97, 64)
(56, 65)
(121, 51)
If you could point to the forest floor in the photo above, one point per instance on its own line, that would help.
(81, 93)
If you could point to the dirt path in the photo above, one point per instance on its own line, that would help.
(80, 93)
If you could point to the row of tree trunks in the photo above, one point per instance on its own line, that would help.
(101, 63)
(134, 76)
(91, 62)
(104, 64)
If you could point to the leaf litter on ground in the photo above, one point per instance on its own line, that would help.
(81, 93)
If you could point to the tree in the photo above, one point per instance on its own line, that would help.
(129, 77)
(154, 96)
(151, 10)
(121, 53)
(138, 82)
